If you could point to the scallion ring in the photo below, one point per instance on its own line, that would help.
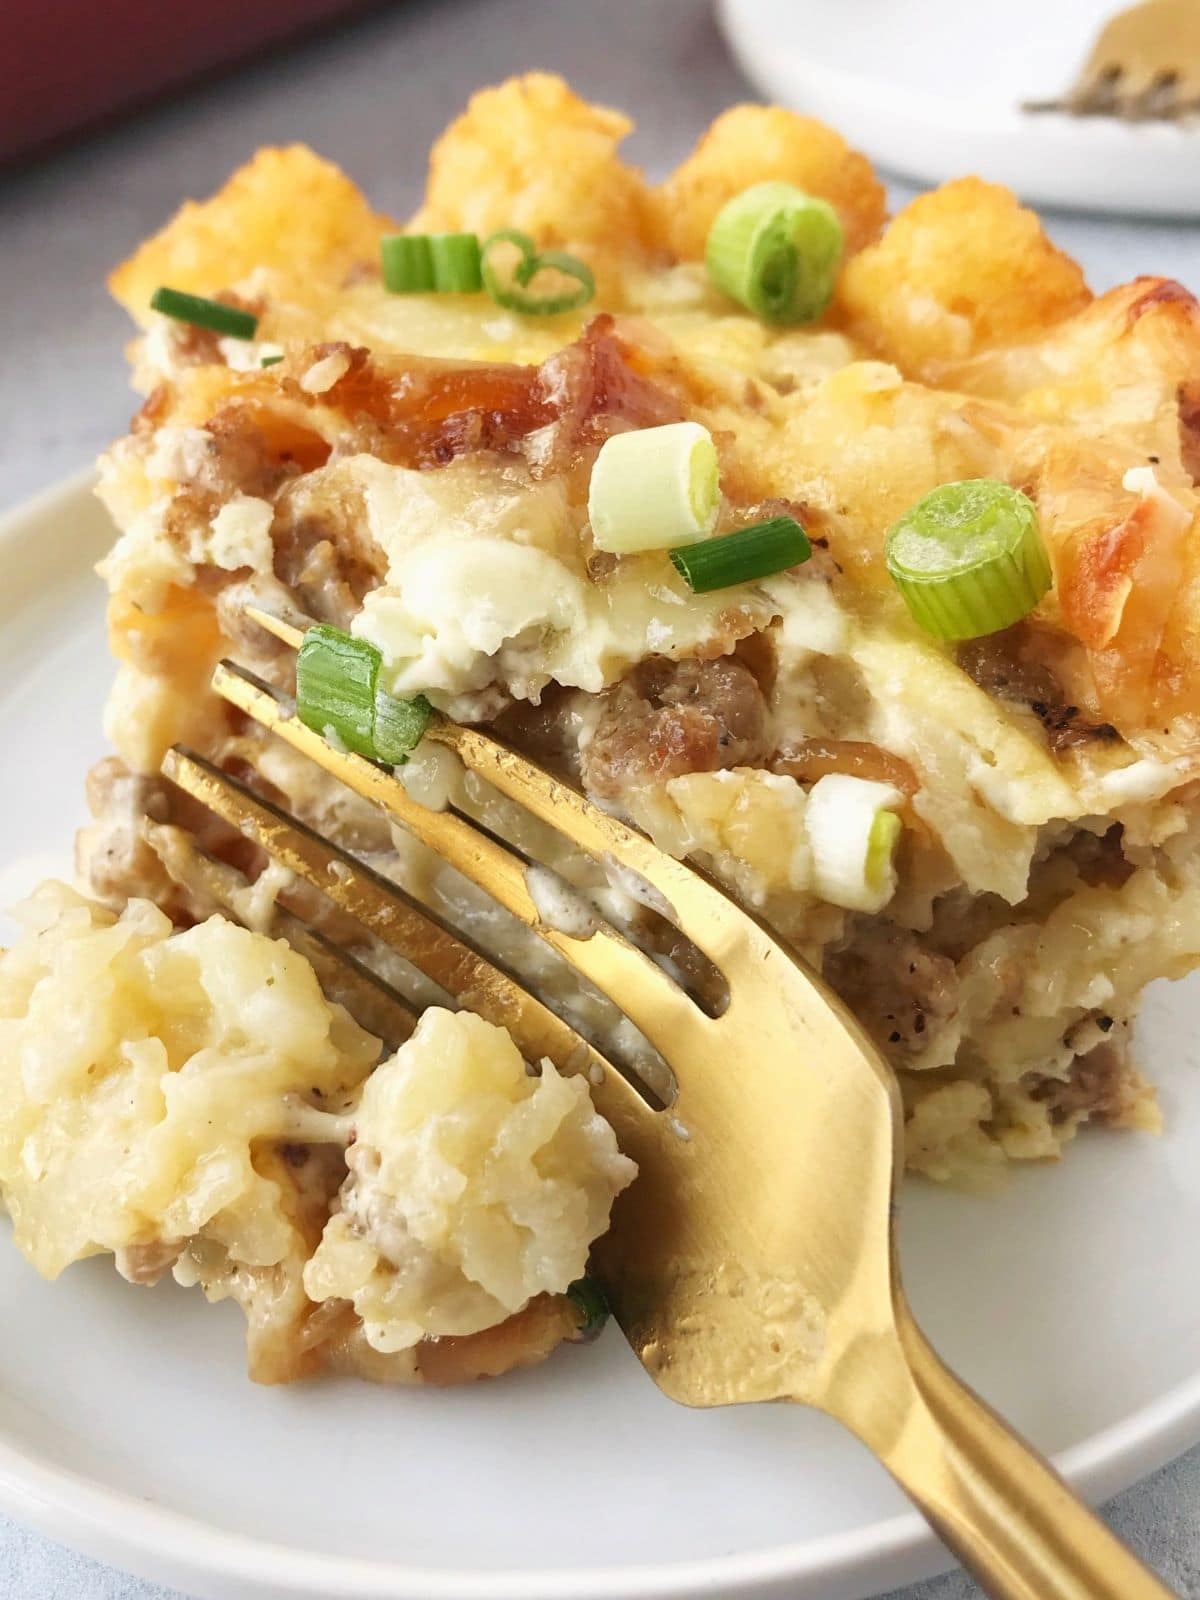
(338, 696)
(430, 263)
(399, 726)
(776, 250)
(230, 321)
(456, 263)
(516, 290)
(853, 832)
(652, 488)
(407, 263)
(744, 555)
(336, 678)
(969, 558)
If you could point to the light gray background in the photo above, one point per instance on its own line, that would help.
(372, 96)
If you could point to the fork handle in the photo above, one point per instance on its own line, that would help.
(1001, 1508)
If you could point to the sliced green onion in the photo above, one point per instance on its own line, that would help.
(202, 313)
(455, 259)
(336, 678)
(776, 251)
(407, 263)
(588, 1299)
(431, 263)
(653, 488)
(338, 696)
(853, 831)
(270, 361)
(969, 558)
(399, 725)
(744, 555)
(881, 847)
(516, 290)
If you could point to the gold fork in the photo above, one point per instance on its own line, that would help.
(753, 1258)
(1144, 66)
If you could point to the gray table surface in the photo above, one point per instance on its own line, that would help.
(372, 96)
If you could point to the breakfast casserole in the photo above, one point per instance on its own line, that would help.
(854, 560)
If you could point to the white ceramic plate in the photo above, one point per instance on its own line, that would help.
(933, 88)
(128, 1429)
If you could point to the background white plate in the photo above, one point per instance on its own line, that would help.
(932, 89)
(127, 1428)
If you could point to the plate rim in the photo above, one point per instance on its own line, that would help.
(114, 1524)
(84, 1514)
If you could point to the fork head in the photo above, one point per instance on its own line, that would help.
(753, 1255)
(753, 1258)
(1144, 66)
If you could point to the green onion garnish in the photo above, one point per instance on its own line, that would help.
(853, 832)
(455, 263)
(335, 687)
(202, 313)
(456, 267)
(399, 725)
(776, 251)
(514, 289)
(431, 263)
(270, 361)
(338, 696)
(743, 555)
(588, 1299)
(881, 847)
(653, 488)
(969, 558)
(407, 263)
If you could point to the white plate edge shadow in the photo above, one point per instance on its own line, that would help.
(172, 1547)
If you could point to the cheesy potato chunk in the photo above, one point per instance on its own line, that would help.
(142, 1069)
(473, 1187)
(175, 1099)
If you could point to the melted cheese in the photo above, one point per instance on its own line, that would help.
(486, 592)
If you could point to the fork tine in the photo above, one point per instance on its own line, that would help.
(370, 999)
(1095, 94)
(696, 907)
(1143, 66)
(379, 906)
(699, 910)
(651, 1000)
(286, 632)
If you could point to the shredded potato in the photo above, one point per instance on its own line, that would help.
(159, 1095)
(141, 1069)
(473, 1187)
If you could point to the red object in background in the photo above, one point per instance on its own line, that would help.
(65, 64)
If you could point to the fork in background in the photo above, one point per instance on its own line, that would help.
(753, 1258)
(1144, 66)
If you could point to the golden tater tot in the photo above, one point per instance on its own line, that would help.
(286, 209)
(751, 144)
(531, 154)
(960, 269)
